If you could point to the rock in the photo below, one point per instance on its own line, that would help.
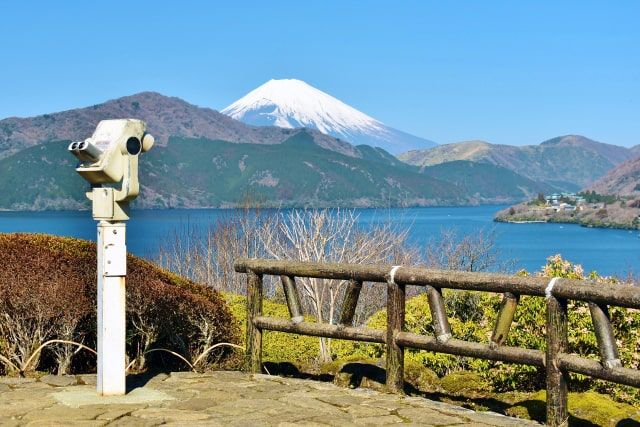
(428, 416)
(379, 421)
(59, 380)
(88, 379)
(166, 414)
(60, 413)
(16, 380)
(115, 412)
(217, 400)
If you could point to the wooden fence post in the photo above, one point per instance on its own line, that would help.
(395, 324)
(254, 334)
(557, 342)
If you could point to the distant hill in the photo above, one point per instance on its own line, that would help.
(206, 159)
(203, 173)
(292, 103)
(195, 173)
(487, 181)
(636, 150)
(569, 162)
(165, 117)
(42, 177)
(624, 180)
(294, 173)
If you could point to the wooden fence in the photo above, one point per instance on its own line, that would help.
(556, 360)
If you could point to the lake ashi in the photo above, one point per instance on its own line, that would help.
(607, 251)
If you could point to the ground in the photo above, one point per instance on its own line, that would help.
(222, 398)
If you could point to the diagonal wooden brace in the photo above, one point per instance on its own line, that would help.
(505, 319)
(438, 314)
(292, 297)
(351, 296)
(605, 336)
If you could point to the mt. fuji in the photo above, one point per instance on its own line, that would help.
(291, 103)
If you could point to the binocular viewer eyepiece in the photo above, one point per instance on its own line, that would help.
(108, 157)
(85, 151)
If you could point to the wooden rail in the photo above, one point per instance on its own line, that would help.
(556, 360)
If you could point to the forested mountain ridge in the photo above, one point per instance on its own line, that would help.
(165, 117)
(201, 173)
(569, 162)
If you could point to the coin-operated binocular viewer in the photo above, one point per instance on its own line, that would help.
(108, 160)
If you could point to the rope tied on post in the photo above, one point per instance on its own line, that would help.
(392, 274)
(548, 292)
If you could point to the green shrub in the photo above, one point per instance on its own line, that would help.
(586, 408)
(465, 382)
(472, 316)
(276, 346)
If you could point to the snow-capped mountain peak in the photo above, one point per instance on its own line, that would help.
(292, 103)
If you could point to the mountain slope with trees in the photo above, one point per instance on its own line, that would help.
(165, 117)
(484, 180)
(624, 180)
(569, 163)
(196, 173)
(206, 159)
(193, 173)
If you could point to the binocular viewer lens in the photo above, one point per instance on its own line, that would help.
(85, 151)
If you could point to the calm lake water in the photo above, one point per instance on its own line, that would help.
(607, 251)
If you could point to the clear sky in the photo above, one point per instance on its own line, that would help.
(513, 72)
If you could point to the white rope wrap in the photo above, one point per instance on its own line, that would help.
(549, 289)
(392, 274)
(444, 337)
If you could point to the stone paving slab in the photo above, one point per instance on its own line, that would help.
(223, 398)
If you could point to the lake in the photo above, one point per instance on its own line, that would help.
(607, 251)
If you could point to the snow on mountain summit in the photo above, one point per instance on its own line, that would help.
(291, 103)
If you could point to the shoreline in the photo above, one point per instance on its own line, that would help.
(590, 219)
(226, 207)
(581, 224)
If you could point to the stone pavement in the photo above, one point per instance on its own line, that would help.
(222, 398)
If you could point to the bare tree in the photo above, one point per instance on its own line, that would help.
(330, 236)
(320, 236)
(469, 252)
(208, 256)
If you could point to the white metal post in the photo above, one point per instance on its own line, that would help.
(112, 270)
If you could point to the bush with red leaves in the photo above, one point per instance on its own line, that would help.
(48, 291)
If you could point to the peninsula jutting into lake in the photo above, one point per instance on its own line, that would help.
(588, 209)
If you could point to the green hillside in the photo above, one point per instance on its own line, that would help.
(569, 162)
(487, 181)
(204, 173)
(196, 173)
(40, 178)
(295, 173)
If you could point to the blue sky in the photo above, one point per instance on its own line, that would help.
(512, 72)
